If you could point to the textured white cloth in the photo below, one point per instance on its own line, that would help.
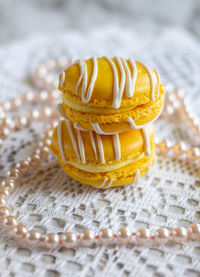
(50, 201)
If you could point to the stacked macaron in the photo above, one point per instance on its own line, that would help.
(104, 137)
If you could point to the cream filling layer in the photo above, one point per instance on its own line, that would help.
(82, 108)
(104, 168)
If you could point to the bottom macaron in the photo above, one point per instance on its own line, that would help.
(103, 160)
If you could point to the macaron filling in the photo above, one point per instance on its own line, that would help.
(105, 167)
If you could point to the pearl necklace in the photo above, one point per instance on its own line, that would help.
(123, 236)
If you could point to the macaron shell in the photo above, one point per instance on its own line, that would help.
(120, 177)
(117, 122)
(102, 95)
(132, 144)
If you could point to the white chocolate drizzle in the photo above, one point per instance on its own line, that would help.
(116, 141)
(93, 144)
(80, 142)
(127, 79)
(87, 93)
(99, 131)
(62, 79)
(100, 147)
(130, 82)
(158, 77)
(146, 141)
(60, 110)
(81, 147)
(79, 127)
(151, 79)
(117, 147)
(110, 183)
(118, 89)
(136, 178)
(73, 139)
(81, 66)
(136, 127)
(60, 140)
(119, 93)
(103, 183)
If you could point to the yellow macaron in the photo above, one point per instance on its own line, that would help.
(103, 160)
(111, 95)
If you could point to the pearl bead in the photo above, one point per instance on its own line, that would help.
(47, 142)
(44, 151)
(52, 240)
(7, 106)
(161, 236)
(47, 111)
(23, 166)
(3, 201)
(183, 146)
(105, 235)
(22, 121)
(49, 79)
(194, 230)
(20, 231)
(14, 173)
(9, 183)
(35, 114)
(10, 222)
(4, 191)
(62, 61)
(87, 237)
(4, 211)
(9, 122)
(42, 71)
(54, 94)
(2, 114)
(5, 132)
(142, 236)
(17, 102)
(43, 95)
(35, 160)
(33, 237)
(29, 96)
(179, 234)
(196, 151)
(123, 235)
(49, 133)
(41, 144)
(69, 240)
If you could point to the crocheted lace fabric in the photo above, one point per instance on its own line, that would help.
(48, 200)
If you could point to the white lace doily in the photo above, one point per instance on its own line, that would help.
(49, 200)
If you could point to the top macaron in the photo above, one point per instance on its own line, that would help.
(110, 95)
